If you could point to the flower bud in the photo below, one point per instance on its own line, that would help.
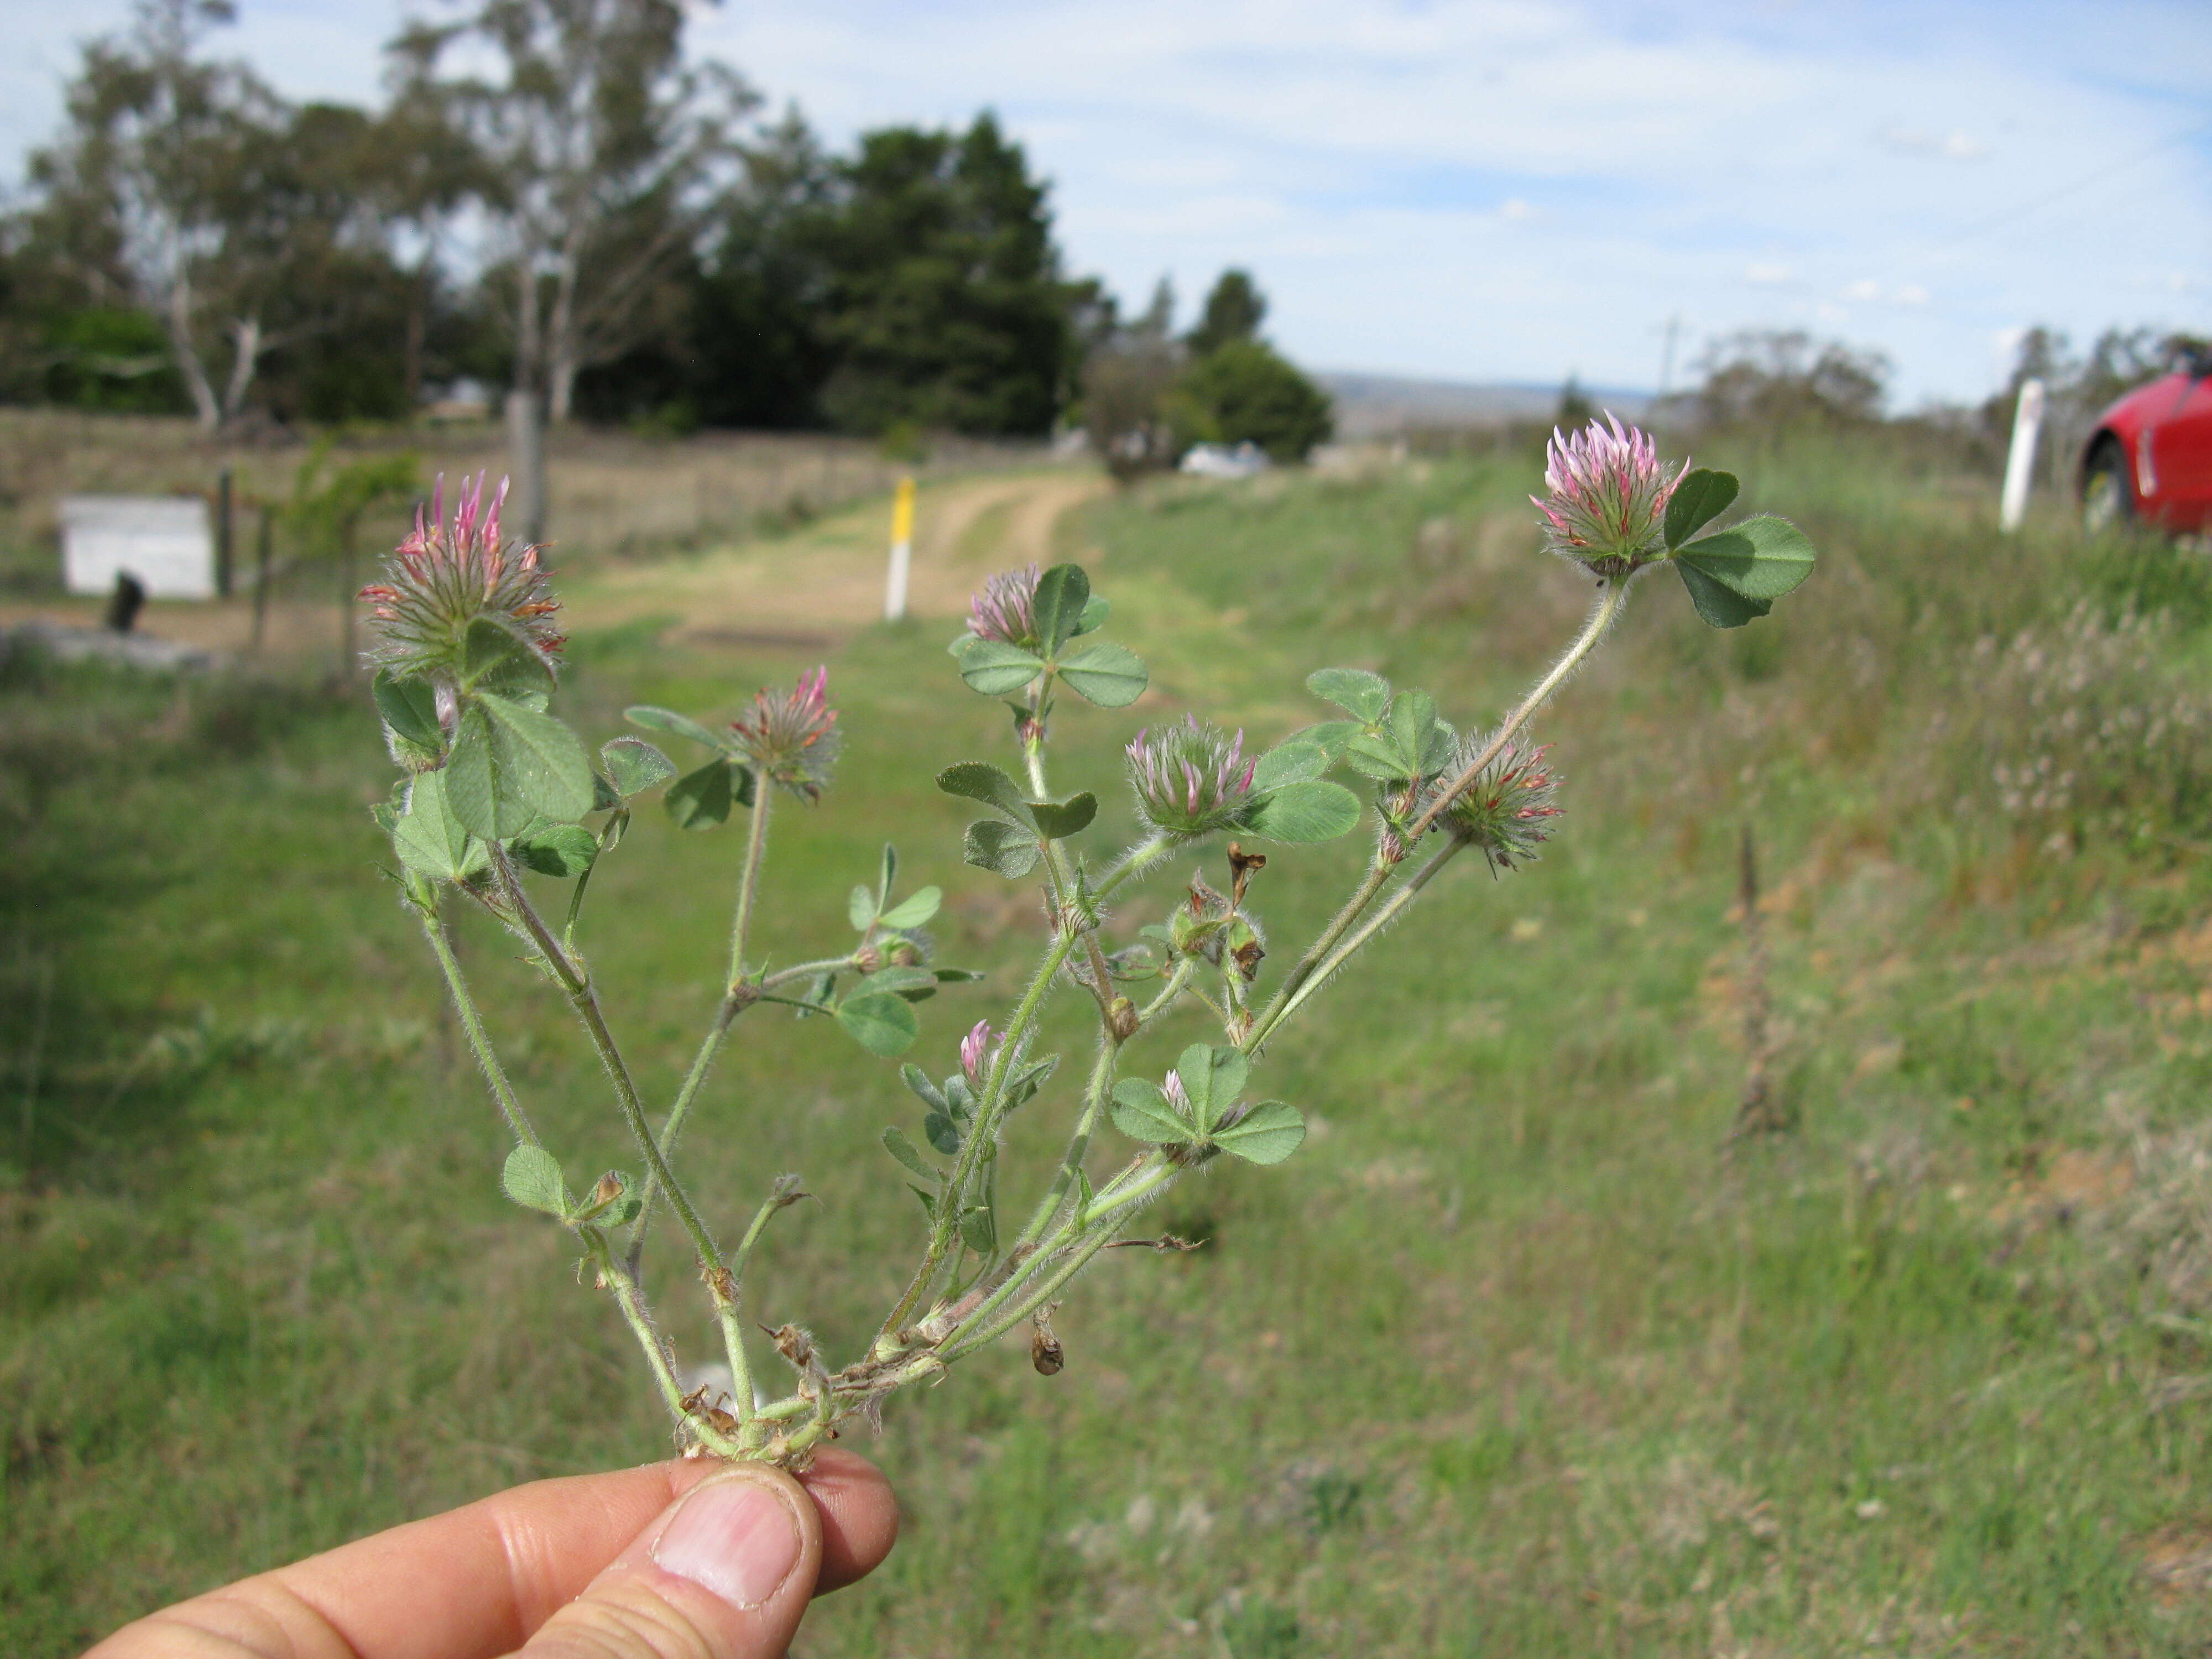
(1190, 780)
(868, 959)
(791, 736)
(977, 1050)
(1122, 1018)
(1608, 495)
(443, 577)
(1507, 810)
(1005, 611)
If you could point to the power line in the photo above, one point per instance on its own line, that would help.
(2020, 209)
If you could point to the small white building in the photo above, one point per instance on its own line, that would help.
(163, 541)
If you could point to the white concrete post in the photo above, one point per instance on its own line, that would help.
(902, 551)
(2020, 465)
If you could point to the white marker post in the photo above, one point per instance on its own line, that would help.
(2020, 465)
(902, 551)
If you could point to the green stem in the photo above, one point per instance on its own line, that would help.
(1600, 618)
(434, 929)
(941, 1231)
(585, 1000)
(1096, 1233)
(1079, 1143)
(749, 880)
(1375, 924)
(741, 1376)
(623, 1284)
(726, 1013)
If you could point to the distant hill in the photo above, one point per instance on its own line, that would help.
(1375, 405)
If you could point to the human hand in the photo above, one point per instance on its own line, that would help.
(678, 1560)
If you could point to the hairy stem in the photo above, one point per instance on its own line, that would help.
(1602, 618)
(984, 1131)
(584, 997)
(1079, 1143)
(623, 1284)
(725, 1012)
(1392, 909)
(434, 929)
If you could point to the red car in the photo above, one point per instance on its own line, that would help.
(2150, 459)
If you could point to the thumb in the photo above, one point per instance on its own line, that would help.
(724, 1572)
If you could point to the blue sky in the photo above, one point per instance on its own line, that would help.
(1504, 189)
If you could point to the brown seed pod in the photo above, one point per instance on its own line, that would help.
(1045, 1352)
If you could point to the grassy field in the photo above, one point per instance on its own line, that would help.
(1519, 1355)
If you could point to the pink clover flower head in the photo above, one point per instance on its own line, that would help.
(791, 736)
(1190, 780)
(1178, 1096)
(1005, 610)
(1609, 495)
(1510, 809)
(445, 576)
(977, 1050)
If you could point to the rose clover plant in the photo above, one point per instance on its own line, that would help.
(495, 786)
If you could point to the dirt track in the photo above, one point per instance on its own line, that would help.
(809, 589)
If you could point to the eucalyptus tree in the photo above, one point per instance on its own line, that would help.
(604, 156)
(156, 194)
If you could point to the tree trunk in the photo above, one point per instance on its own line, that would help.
(177, 320)
(561, 352)
(245, 358)
(526, 466)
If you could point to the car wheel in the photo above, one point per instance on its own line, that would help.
(2108, 501)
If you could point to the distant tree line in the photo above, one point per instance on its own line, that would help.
(556, 200)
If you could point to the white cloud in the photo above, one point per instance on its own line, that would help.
(1514, 208)
(1911, 293)
(1864, 288)
(1767, 273)
(1953, 146)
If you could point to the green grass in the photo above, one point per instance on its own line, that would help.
(1514, 1358)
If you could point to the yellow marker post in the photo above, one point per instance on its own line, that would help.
(902, 551)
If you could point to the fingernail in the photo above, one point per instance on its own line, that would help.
(733, 1537)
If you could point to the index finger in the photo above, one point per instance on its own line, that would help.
(476, 1581)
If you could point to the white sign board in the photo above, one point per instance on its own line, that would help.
(162, 540)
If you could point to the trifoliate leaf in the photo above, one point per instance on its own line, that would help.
(430, 839)
(860, 909)
(1313, 810)
(635, 766)
(918, 1080)
(979, 1230)
(1268, 1134)
(1701, 497)
(1761, 558)
(980, 780)
(539, 764)
(531, 1178)
(1005, 850)
(565, 850)
(1211, 1079)
(903, 1150)
(1062, 594)
(1058, 820)
(1293, 761)
(1358, 693)
(410, 708)
(1142, 1113)
(993, 667)
(879, 1022)
(1110, 675)
(914, 909)
(700, 800)
(1716, 604)
(667, 719)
